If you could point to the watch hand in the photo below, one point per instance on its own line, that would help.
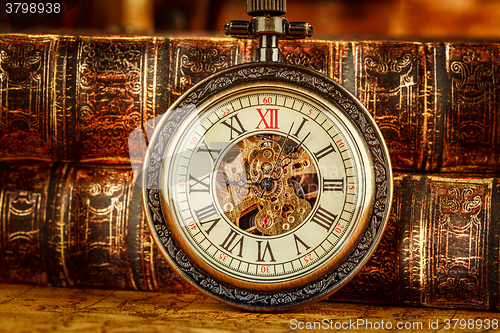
(237, 182)
(281, 150)
(242, 185)
(294, 150)
(267, 181)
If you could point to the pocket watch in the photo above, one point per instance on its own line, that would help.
(267, 185)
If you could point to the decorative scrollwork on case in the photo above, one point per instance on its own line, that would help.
(329, 281)
(168, 128)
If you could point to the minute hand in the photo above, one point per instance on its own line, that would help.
(279, 155)
(266, 182)
(294, 150)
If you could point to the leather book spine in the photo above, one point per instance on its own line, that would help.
(79, 98)
(77, 225)
(440, 248)
(82, 225)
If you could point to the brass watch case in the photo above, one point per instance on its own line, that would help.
(355, 251)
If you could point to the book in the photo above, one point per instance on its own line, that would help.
(440, 247)
(78, 225)
(78, 98)
(82, 225)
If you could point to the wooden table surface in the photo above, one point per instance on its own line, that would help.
(45, 309)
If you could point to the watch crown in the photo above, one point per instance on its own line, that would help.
(266, 7)
(269, 26)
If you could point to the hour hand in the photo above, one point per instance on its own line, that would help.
(285, 161)
(243, 184)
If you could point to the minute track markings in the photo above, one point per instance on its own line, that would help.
(196, 234)
(275, 273)
(293, 105)
(302, 107)
(341, 218)
(232, 106)
(333, 137)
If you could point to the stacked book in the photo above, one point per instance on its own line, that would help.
(76, 111)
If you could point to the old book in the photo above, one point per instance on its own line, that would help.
(440, 248)
(81, 225)
(77, 225)
(78, 98)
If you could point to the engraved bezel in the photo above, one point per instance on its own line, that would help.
(355, 251)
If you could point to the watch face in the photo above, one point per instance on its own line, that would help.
(266, 187)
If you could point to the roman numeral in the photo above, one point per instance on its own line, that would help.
(208, 150)
(273, 118)
(239, 131)
(324, 218)
(200, 184)
(297, 241)
(213, 223)
(229, 241)
(296, 134)
(333, 185)
(205, 212)
(325, 151)
(260, 257)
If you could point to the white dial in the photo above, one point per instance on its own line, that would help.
(266, 185)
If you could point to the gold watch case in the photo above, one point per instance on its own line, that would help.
(267, 195)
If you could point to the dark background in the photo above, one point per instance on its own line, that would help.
(393, 19)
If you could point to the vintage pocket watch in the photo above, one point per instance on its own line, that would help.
(267, 185)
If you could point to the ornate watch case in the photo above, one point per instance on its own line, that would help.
(267, 185)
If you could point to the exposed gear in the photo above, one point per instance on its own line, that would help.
(263, 191)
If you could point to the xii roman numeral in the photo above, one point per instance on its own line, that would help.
(273, 118)
(239, 131)
(324, 218)
(229, 241)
